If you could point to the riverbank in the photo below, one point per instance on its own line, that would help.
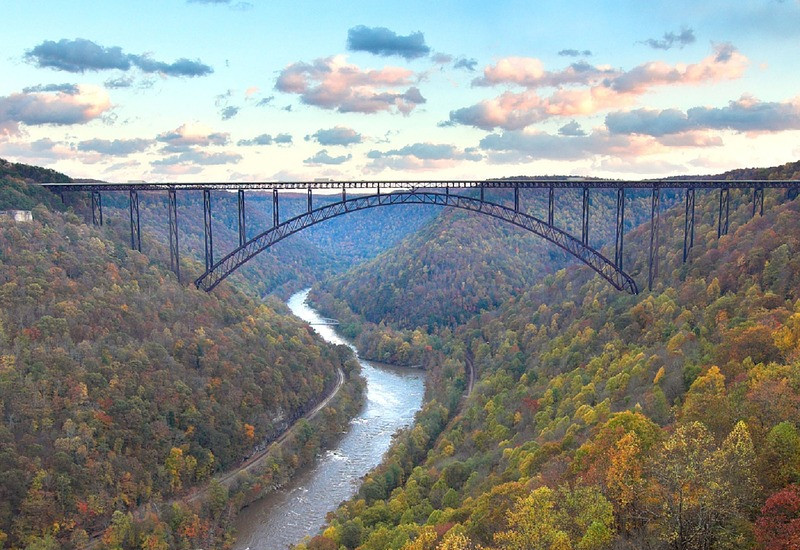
(299, 508)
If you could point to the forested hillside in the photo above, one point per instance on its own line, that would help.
(464, 263)
(602, 420)
(119, 386)
(295, 263)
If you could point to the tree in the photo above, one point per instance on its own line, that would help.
(532, 524)
(778, 527)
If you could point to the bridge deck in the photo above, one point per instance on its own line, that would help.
(562, 183)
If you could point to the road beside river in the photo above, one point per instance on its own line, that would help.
(393, 396)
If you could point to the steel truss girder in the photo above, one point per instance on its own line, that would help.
(594, 259)
(758, 201)
(585, 218)
(620, 228)
(688, 224)
(242, 218)
(724, 209)
(136, 232)
(174, 256)
(652, 266)
(97, 208)
(209, 236)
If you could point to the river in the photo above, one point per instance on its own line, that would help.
(393, 396)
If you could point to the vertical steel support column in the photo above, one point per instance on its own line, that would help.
(481, 192)
(208, 233)
(97, 208)
(242, 219)
(758, 201)
(620, 227)
(136, 233)
(447, 189)
(655, 215)
(516, 197)
(174, 257)
(275, 212)
(724, 208)
(550, 206)
(585, 218)
(344, 196)
(688, 224)
(310, 203)
(379, 189)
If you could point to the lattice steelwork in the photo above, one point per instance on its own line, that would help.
(136, 232)
(652, 266)
(174, 256)
(587, 255)
(688, 224)
(430, 192)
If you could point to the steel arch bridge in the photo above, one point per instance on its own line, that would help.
(440, 193)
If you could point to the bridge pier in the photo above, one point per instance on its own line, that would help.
(174, 257)
(618, 242)
(758, 201)
(275, 213)
(550, 205)
(585, 218)
(242, 220)
(516, 197)
(655, 215)
(724, 209)
(136, 233)
(309, 205)
(207, 226)
(97, 208)
(688, 224)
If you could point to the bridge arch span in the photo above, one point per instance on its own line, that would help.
(589, 256)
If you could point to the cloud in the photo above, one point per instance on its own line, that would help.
(322, 157)
(603, 88)
(517, 146)
(79, 105)
(441, 58)
(747, 115)
(421, 156)
(338, 135)
(266, 139)
(382, 41)
(71, 89)
(331, 83)
(81, 55)
(671, 39)
(241, 6)
(201, 158)
(529, 72)
(575, 53)
(466, 63)
(229, 112)
(117, 147)
(186, 136)
(120, 82)
(571, 128)
(263, 102)
(42, 150)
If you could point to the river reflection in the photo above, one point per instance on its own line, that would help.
(286, 516)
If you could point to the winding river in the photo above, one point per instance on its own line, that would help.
(283, 518)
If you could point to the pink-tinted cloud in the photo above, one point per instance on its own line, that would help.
(420, 157)
(332, 83)
(602, 88)
(186, 136)
(78, 105)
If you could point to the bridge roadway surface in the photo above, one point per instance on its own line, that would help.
(557, 183)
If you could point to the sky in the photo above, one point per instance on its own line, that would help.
(249, 90)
